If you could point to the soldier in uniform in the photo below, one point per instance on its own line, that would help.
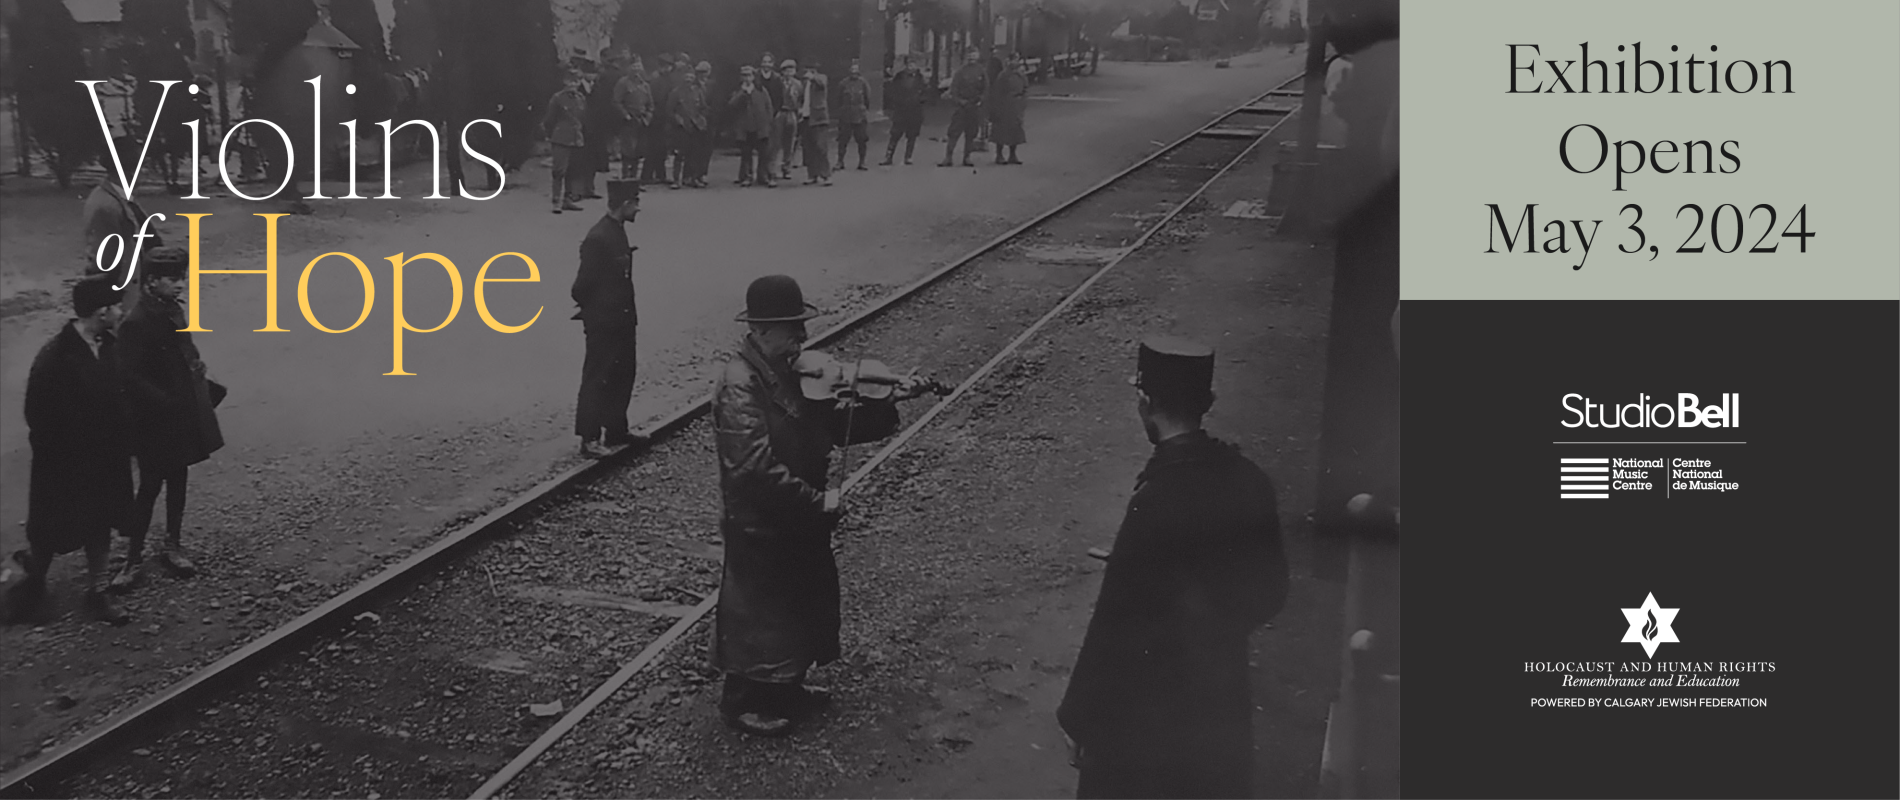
(967, 88)
(1159, 704)
(82, 471)
(603, 288)
(174, 424)
(854, 110)
(904, 102)
(565, 126)
(778, 596)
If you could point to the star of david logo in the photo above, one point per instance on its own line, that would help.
(1649, 625)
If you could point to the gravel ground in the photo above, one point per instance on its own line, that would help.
(966, 585)
(432, 694)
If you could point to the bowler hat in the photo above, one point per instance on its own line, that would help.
(776, 298)
(619, 192)
(1175, 367)
(93, 293)
(167, 262)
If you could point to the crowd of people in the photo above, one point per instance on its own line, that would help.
(661, 123)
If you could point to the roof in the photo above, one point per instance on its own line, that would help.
(323, 34)
(85, 11)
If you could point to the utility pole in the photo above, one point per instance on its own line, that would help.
(873, 21)
(1304, 209)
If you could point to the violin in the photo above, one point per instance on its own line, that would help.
(821, 377)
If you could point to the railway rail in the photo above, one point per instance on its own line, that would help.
(393, 682)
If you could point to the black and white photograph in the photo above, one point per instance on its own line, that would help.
(699, 398)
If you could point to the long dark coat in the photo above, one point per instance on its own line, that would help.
(603, 120)
(75, 418)
(778, 597)
(603, 286)
(173, 424)
(1008, 102)
(750, 112)
(1159, 700)
(904, 100)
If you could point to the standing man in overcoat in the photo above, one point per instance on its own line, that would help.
(1008, 103)
(172, 399)
(750, 109)
(778, 596)
(790, 123)
(689, 126)
(904, 102)
(768, 79)
(82, 470)
(1159, 703)
(815, 125)
(634, 98)
(603, 288)
(659, 134)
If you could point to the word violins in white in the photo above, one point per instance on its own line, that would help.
(126, 181)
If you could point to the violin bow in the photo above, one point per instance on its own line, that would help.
(850, 414)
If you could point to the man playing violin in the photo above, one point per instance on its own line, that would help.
(778, 596)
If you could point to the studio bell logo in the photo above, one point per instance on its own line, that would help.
(1649, 625)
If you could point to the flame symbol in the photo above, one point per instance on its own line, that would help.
(1649, 631)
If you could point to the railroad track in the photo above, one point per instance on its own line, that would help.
(453, 671)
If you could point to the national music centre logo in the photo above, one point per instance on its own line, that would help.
(1650, 625)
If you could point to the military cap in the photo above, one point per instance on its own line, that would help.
(167, 262)
(619, 191)
(704, 66)
(776, 298)
(747, 70)
(1175, 367)
(788, 64)
(93, 293)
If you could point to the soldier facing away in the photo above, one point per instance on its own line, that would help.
(1159, 703)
